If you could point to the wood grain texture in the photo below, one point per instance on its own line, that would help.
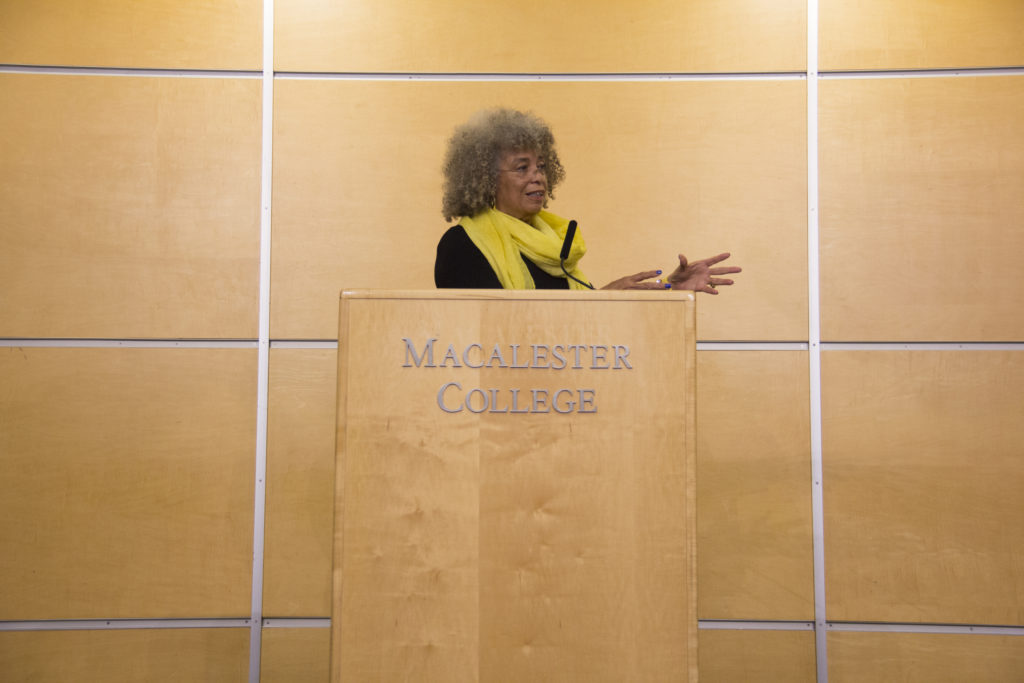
(754, 486)
(920, 34)
(577, 36)
(654, 174)
(203, 655)
(130, 207)
(500, 546)
(757, 656)
(300, 483)
(127, 484)
(924, 658)
(921, 205)
(156, 34)
(288, 655)
(922, 477)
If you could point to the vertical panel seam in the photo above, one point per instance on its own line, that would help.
(263, 370)
(814, 344)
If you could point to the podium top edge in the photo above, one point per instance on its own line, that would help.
(520, 294)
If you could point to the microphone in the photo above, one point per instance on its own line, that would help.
(570, 233)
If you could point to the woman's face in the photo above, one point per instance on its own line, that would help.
(522, 184)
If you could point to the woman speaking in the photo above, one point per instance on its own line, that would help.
(499, 172)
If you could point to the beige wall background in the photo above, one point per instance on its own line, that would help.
(185, 187)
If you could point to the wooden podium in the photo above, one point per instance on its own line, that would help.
(515, 495)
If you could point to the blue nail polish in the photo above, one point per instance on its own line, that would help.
(659, 272)
(668, 286)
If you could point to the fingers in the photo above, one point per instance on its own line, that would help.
(645, 275)
(637, 281)
(687, 276)
(714, 259)
(642, 280)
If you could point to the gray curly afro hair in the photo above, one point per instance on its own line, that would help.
(475, 149)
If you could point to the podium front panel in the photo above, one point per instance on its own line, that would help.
(515, 487)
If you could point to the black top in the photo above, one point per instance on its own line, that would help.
(461, 265)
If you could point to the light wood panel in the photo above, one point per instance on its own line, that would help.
(754, 486)
(130, 206)
(122, 33)
(924, 658)
(508, 546)
(533, 36)
(288, 655)
(920, 34)
(698, 167)
(215, 655)
(300, 483)
(757, 656)
(127, 484)
(922, 476)
(920, 208)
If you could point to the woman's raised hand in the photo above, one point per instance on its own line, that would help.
(700, 276)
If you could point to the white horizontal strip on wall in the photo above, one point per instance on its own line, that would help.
(133, 343)
(414, 76)
(325, 622)
(755, 345)
(925, 73)
(651, 76)
(297, 623)
(926, 628)
(119, 624)
(734, 625)
(123, 71)
(333, 344)
(922, 346)
(304, 344)
(752, 346)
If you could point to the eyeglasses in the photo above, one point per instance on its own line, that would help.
(526, 170)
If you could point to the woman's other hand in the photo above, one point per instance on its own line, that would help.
(700, 276)
(638, 281)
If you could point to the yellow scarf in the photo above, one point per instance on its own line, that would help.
(502, 238)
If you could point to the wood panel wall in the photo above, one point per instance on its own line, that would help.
(130, 216)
